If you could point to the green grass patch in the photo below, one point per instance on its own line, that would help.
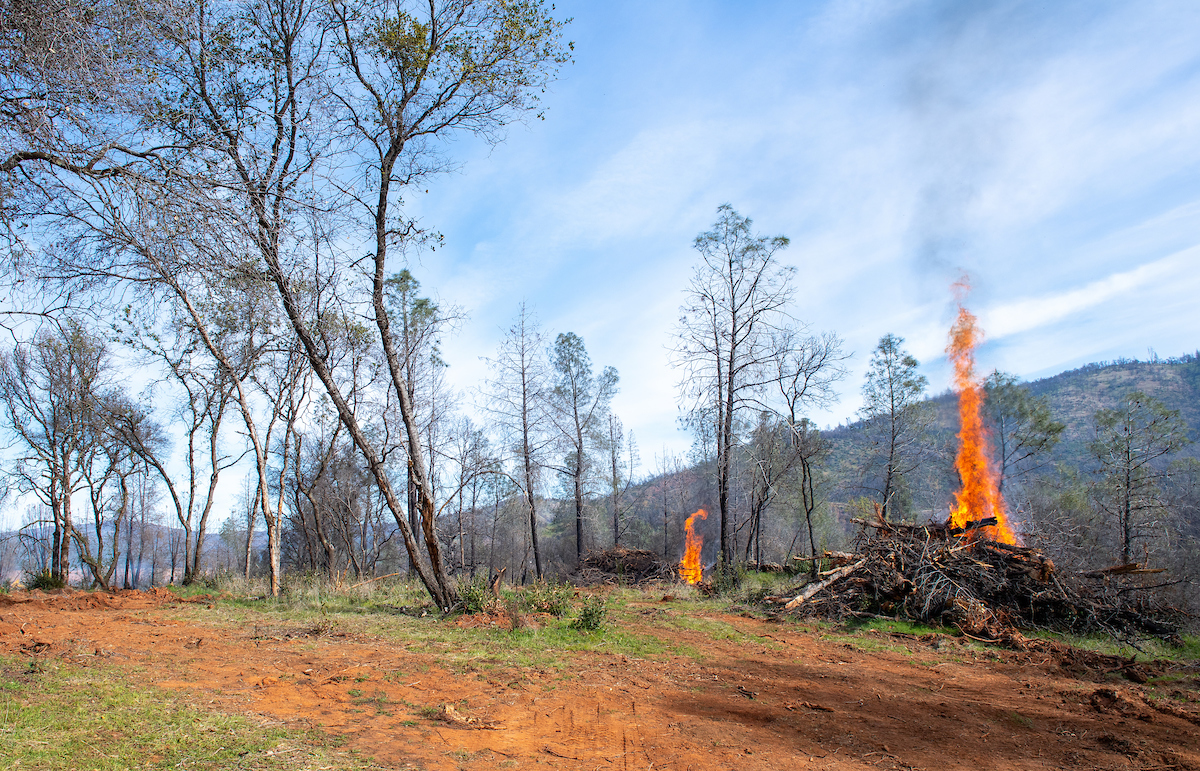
(874, 634)
(714, 629)
(56, 717)
(1150, 648)
(550, 646)
(864, 642)
(896, 626)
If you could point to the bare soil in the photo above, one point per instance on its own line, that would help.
(777, 695)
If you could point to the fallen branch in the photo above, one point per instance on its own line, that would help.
(372, 580)
(812, 589)
(1128, 569)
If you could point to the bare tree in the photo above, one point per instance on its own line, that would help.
(670, 471)
(518, 399)
(733, 320)
(770, 460)
(622, 463)
(1131, 441)
(73, 79)
(50, 390)
(809, 448)
(204, 394)
(470, 453)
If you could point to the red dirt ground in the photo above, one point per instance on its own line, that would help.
(780, 697)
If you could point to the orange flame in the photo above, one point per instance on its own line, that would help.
(690, 569)
(979, 497)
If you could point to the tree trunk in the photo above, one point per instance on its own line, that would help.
(579, 500)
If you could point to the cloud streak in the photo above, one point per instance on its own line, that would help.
(1031, 313)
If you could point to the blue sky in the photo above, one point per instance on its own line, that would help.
(1051, 150)
(1048, 149)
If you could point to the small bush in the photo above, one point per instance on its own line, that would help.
(591, 615)
(754, 595)
(223, 579)
(544, 597)
(512, 608)
(727, 577)
(476, 595)
(44, 580)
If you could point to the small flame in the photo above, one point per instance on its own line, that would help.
(690, 569)
(979, 497)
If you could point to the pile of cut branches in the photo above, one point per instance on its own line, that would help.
(623, 566)
(987, 589)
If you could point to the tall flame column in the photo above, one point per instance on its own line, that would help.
(979, 496)
(690, 568)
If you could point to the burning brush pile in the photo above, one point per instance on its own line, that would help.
(969, 572)
(951, 576)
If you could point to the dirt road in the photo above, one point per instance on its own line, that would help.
(765, 696)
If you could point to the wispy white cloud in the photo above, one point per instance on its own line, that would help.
(1048, 150)
(1029, 313)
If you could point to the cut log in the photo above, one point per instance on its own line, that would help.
(1128, 569)
(836, 558)
(812, 589)
(989, 522)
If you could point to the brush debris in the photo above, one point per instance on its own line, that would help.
(986, 589)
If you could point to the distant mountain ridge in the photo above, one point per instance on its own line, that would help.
(1074, 398)
(1076, 395)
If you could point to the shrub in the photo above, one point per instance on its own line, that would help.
(591, 615)
(223, 579)
(727, 577)
(44, 580)
(475, 595)
(512, 608)
(544, 597)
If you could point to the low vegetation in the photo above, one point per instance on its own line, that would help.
(54, 716)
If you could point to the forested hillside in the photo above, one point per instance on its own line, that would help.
(1076, 395)
(1073, 398)
(1059, 483)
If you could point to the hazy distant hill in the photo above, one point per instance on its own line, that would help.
(1077, 394)
(1074, 397)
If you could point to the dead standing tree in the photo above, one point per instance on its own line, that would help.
(727, 339)
(204, 393)
(50, 390)
(518, 398)
(1131, 443)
